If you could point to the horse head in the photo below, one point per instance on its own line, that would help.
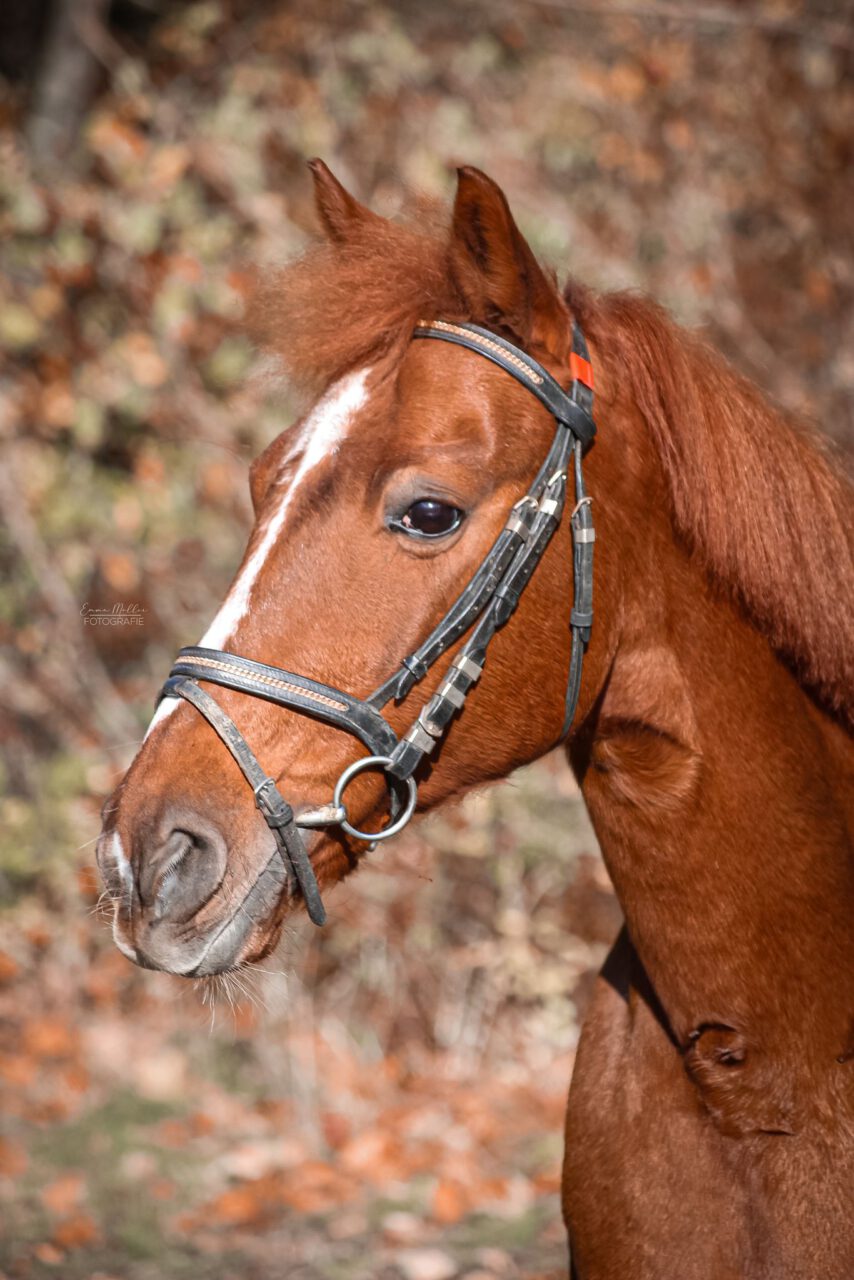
(371, 513)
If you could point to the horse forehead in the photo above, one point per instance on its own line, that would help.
(445, 395)
(439, 396)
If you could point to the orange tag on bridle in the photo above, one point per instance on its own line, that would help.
(581, 369)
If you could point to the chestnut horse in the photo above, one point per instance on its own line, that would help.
(710, 1128)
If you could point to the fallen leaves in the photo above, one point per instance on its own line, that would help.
(48, 1254)
(166, 166)
(426, 1264)
(137, 353)
(76, 1232)
(9, 968)
(17, 1069)
(162, 1075)
(451, 1201)
(49, 1037)
(20, 328)
(311, 1188)
(63, 1194)
(118, 145)
(13, 1158)
(73, 1227)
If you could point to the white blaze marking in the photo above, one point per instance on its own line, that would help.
(322, 431)
(163, 710)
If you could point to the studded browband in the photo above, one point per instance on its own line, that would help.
(483, 606)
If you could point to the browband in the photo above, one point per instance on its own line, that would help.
(573, 409)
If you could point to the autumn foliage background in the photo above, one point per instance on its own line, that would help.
(386, 1098)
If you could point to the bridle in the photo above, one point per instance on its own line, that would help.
(485, 604)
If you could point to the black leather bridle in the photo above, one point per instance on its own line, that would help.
(485, 604)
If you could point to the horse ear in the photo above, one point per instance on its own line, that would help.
(339, 212)
(497, 271)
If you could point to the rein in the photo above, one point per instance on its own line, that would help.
(488, 601)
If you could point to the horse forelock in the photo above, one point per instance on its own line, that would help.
(337, 307)
(760, 499)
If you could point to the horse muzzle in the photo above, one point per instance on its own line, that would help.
(180, 913)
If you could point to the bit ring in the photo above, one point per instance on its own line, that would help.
(357, 767)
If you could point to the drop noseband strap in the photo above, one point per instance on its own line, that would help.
(278, 814)
(483, 606)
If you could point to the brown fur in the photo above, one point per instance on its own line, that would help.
(756, 496)
(710, 1128)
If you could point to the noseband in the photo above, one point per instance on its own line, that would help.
(488, 601)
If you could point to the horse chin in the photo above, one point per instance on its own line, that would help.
(221, 949)
(263, 947)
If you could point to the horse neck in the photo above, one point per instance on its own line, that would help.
(715, 784)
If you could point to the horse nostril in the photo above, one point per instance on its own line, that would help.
(177, 850)
(179, 877)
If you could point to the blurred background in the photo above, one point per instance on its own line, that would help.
(385, 1099)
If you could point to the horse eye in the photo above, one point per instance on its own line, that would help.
(429, 518)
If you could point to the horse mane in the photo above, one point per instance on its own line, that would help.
(762, 500)
(758, 498)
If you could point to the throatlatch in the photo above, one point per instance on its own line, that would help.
(485, 605)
